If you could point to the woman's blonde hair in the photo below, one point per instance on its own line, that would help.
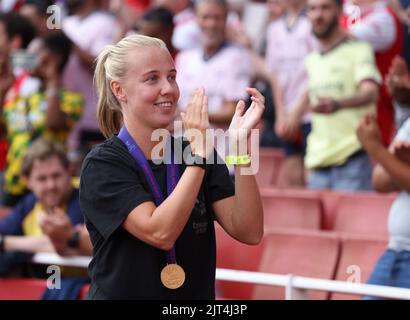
(111, 65)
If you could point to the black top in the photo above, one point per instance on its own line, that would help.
(124, 267)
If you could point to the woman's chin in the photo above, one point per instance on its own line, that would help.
(163, 121)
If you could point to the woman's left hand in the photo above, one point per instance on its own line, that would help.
(242, 124)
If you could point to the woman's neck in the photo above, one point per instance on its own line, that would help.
(142, 135)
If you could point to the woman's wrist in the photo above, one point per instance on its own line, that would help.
(239, 145)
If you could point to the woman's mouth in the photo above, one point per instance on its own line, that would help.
(164, 105)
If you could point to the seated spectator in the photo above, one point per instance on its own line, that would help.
(48, 219)
(392, 173)
(343, 87)
(48, 110)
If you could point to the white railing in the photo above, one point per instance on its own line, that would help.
(52, 258)
(295, 286)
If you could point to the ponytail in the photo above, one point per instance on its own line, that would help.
(108, 109)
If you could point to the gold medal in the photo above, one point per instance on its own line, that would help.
(172, 276)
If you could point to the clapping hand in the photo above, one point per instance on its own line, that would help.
(196, 123)
(242, 123)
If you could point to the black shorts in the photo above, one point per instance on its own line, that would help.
(297, 148)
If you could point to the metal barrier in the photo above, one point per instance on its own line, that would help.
(296, 286)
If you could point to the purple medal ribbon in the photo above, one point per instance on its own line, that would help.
(172, 175)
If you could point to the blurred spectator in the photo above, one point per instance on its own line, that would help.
(275, 8)
(392, 173)
(379, 26)
(186, 33)
(16, 32)
(343, 87)
(128, 13)
(158, 23)
(49, 219)
(10, 5)
(223, 69)
(43, 108)
(402, 10)
(289, 41)
(90, 29)
(398, 85)
(36, 12)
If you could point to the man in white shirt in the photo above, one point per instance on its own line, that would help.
(223, 69)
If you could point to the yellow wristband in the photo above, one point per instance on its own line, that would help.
(245, 159)
(238, 160)
(230, 160)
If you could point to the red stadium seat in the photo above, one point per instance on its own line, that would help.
(21, 289)
(232, 254)
(291, 209)
(363, 214)
(358, 258)
(303, 253)
(270, 162)
(330, 200)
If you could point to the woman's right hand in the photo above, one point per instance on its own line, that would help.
(196, 123)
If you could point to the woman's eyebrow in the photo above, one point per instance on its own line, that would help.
(150, 72)
(157, 71)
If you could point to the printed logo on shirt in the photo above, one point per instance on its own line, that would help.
(200, 220)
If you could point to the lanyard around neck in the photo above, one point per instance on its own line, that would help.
(172, 175)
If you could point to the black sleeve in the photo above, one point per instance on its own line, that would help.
(110, 189)
(219, 183)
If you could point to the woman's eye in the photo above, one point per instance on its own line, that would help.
(152, 79)
(172, 78)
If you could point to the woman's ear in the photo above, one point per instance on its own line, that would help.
(118, 91)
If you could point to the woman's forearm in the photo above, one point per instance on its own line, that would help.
(161, 226)
(247, 217)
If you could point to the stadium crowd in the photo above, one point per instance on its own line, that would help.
(334, 75)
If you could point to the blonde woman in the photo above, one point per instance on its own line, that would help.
(151, 224)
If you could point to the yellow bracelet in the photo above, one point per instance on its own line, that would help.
(245, 159)
(238, 160)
